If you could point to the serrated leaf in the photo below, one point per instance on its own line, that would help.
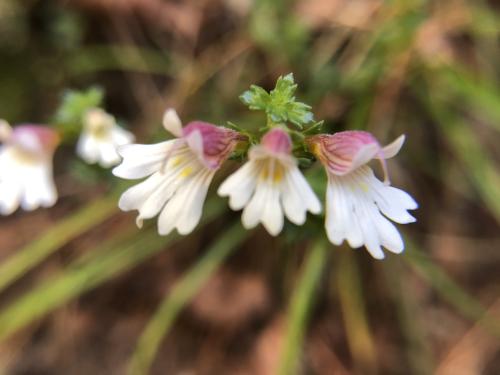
(279, 104)
(256, 98)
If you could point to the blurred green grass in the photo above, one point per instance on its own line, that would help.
(423, 68)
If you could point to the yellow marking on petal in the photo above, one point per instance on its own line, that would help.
(186, 171)
(100, 131)
(177, 161)
(264, 173)
(278, 173)
(274, 173)
(25, 157)
(315, 149)
(364, 187)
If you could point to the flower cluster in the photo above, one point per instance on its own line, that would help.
(268, 187)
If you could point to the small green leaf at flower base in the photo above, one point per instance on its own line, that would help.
(256, 98)
(279, 104)
(74, 104)
(316, 128)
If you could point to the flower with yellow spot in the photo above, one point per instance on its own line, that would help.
(179, 170)
(26, 177)
(100, 138)
(270, 184)
(357, 203)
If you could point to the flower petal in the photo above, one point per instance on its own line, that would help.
(195, 142)
(38, 186)
(172, 123)
(240, 185)
(393, 148)
(108, 155)
(87, 148)
(10, 197)
(183, 211)
(142, 160)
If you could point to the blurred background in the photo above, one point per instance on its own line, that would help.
(83, 291)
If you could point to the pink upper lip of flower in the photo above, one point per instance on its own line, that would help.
(277, 141)
(346, 151)
(35, 138)
(216, 142)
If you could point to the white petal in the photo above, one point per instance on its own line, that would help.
(38, 186)
(393, 148)
(193, 207)
(108, 155)
(264, 207)
(142, 160)
(252, 213)
(312, 202)
(148, 197)
(120, 137)
(240, 185)
(272, 215)
(370, 234)
(342, 221)
(183, 211)
(10, 196)
(87, 148)
(393, 202)
(172, 122)
(293, 200)
(389, 236)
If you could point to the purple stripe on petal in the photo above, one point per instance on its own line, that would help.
(218, 142)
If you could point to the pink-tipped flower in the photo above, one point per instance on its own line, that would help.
(100, 138)
(270, 184)
(356, 201)
(179, 170)
(26, 177)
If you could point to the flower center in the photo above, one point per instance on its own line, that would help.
(24, 156)
(272, 171)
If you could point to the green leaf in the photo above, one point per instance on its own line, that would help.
(256, 98)
(279, 104)
(68, 117)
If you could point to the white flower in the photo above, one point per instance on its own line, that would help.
(179, 171)
(26, 167)
(356, 201)
(270, 184)
(100, 138)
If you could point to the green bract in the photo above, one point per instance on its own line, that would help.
(279, 104)
(68, 117)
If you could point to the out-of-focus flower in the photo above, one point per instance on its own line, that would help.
(356, 201)
(270, 184)
(100, 138)
(26, 167)
(179, 170)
